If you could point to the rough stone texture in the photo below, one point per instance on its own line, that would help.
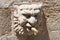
(5, 3)
(8, 37)
(52, 13)
(54, 35)
(5, 24)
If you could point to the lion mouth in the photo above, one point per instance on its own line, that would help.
(31, 28)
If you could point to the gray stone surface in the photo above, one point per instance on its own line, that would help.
(52, 13)
(8, 37)
(54, 22)
(5, 3)
(54, 35)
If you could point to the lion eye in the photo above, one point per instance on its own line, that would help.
(35, 15)
(27, 15)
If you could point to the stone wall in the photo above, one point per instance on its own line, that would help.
(51, 10)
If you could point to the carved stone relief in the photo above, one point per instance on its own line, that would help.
(24, 18)
(29, 22)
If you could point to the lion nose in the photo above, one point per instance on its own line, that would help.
(32, 20)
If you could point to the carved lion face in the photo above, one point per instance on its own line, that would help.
(25, 18)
